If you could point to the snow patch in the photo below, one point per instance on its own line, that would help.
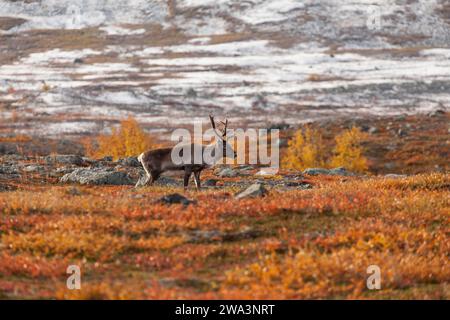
(123, 97)
(78, 14)
(119, 31)
(57, 56)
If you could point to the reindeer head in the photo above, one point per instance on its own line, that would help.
(222, 137)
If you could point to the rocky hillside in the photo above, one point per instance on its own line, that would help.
(75, 67)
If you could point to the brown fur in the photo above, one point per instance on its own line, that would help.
(158, 161)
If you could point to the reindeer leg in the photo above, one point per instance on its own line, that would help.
(154, 175)
(148, 172)
(187, 175)
(197, 179)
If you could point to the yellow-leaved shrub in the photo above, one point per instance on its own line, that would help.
(126, 141)
(348, 152)
(304, 150)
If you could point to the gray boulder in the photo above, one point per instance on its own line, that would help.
(436, 113)
(332, 172)
(162, 181)
(33, 168)
(129, 162)
(97, 176)
(373, 130)
(316, 171)
(65, 159)
(341, 171)
(175, 198)
(298, 184)
(227, 172)
(9, 169)
(255, 190)
(63, 170)
(89, 161)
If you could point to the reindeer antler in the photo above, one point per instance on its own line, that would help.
(213, 124)
(224, 132)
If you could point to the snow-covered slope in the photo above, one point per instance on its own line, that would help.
(80, 63)
(78, 14)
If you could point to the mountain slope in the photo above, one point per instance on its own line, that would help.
(72, 67)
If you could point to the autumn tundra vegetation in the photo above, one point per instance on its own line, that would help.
(309, 231)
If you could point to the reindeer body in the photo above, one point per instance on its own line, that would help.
(157, 161)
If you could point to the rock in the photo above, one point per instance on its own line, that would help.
(298, 185)
(245, 167)
(129, 162)
(401, 133)
(436, 113)
(13, 158)
(373, 130)
(107, 159)
(209, 183)
(267, 171)
(175, 198)
(341, 171)
(63, 170)
(162, 181)
(97, 176)
(9, 169)
(167, 181)
(255, 190)
(316, 171)
(89, 161)
(198, 236)
(332, 172)
(33, 168)
(185, 283)
(294, 176)
(78, 60)
(7, 187)
(227, 172)
(65, 159)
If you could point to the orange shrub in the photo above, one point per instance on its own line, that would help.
(17, 138)
(296, 244)
(126, 141)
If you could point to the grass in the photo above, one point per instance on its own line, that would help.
(313, 243)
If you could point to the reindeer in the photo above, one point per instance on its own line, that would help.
(157, 161)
